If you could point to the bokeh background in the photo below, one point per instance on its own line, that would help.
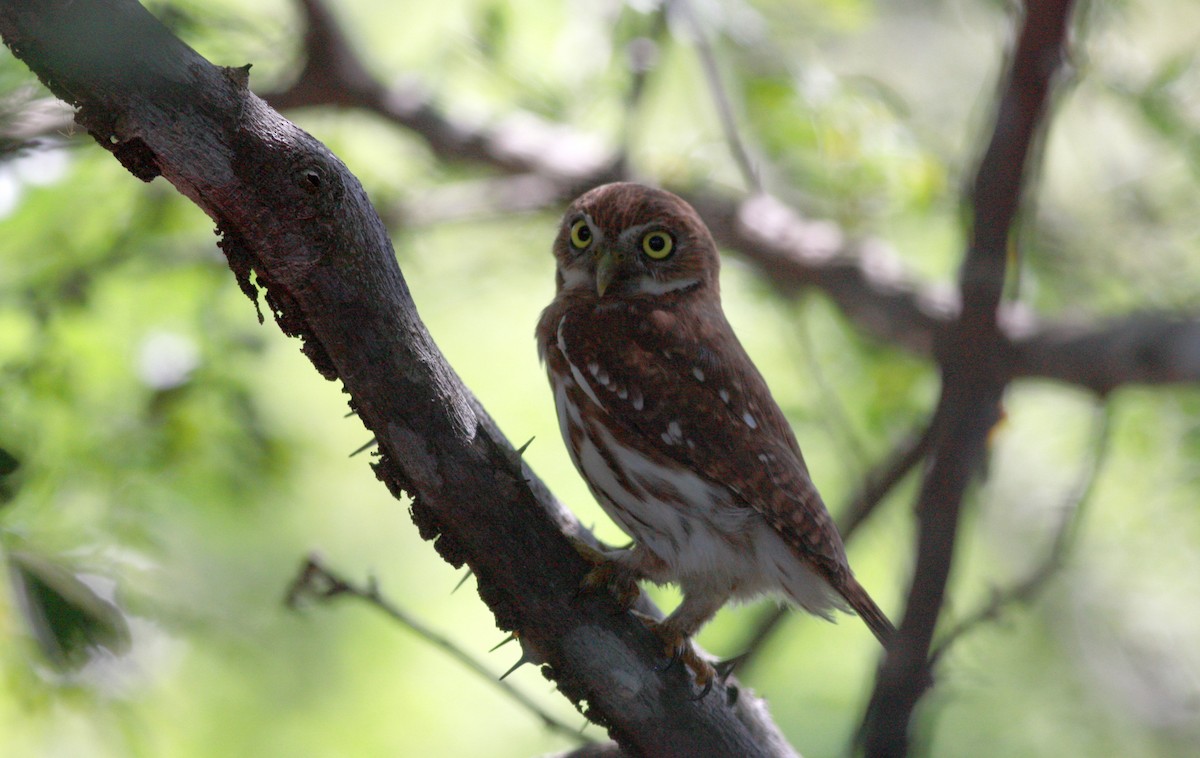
(168, 462)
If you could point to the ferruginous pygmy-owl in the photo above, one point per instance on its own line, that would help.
(672, 425)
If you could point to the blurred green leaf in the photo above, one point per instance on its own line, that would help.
(8, 463)
(67, 618)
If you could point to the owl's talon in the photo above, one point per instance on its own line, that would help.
(607, 573)
(705, 674)
(679, 649)
(647, 620)
(592, 555)
(672, 659)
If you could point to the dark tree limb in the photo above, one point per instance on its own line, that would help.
(288, 211)
(973, 358)
(865, 278)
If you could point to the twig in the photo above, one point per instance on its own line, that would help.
(642, 54)
(880, 480)
(316, 580)
(720, 95)
(1068, 526)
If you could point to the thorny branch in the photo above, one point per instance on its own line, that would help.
(317, 581)
(295, 224)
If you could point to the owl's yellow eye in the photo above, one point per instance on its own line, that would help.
(581, 234)
(657, 245)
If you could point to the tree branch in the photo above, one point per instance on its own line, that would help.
(865, 278)
(974, 369)
(1071, 511)
(316, 580)
(1142, 348)
(290, 212)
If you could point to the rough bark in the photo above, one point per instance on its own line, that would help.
(289, 211)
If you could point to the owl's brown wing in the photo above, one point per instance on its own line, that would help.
(678, 385)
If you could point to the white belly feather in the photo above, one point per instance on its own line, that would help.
(705, 541)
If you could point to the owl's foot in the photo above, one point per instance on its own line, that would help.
(608, 572)
(678, 648)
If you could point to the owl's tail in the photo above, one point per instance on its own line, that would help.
(868, 611)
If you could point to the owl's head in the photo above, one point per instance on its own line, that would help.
(629, 240)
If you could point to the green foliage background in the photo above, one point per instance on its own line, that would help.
(181, 459)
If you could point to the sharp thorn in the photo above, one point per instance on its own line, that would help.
(462, 581)
(521, 450)
(726, 668)
(731, 695)
(521, 662)
(503, 642)
(373, 442)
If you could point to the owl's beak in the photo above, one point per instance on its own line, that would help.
(606, 271)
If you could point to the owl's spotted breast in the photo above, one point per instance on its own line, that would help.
(690, 529)
(670, 391)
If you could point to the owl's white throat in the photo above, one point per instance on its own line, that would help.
(577, 277)
(648, 285)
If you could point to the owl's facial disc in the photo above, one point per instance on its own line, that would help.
(623, 256)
